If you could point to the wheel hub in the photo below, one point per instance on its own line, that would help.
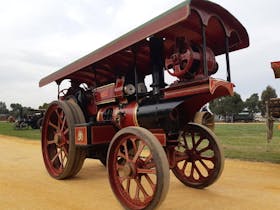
(193, 155)
(127, 170)
(58, 139)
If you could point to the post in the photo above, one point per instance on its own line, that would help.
(204, 45)
(135, 74)
(227, 59)
(157, 63)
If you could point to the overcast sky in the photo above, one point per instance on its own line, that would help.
(38, 37)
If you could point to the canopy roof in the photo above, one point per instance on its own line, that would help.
(185, 20)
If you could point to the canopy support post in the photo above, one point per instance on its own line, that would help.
(227, 59)
(204, 45)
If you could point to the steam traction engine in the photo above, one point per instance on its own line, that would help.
(107, 113)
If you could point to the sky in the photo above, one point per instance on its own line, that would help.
(38, 37)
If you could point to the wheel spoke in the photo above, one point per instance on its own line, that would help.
(140, 149)
(193, 140)
(197, 170)
(65, 151)
(61, 116)
(63, 156)
(212, 159)
(122, 179)
(128, 186)
(54, 158)
(142, 189)
(137, 192)
(53, 125)
(146, 171)
(133, 140)
(204, 149)
(150, 181)
(204, 164)
(51, 142)
(63, 123)
(192, 171)
(58, 118)
(125, 150)
(66, 131)
(184, 166)
(120, 154)
(148, 159)
(186, 143)
(198, 142)
(181, 158)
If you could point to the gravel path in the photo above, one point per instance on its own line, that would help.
(25, 184)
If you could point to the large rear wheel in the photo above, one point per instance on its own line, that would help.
(199, 157)
(61, 157)
(138, 169)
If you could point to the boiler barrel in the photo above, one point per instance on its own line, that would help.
(160, 115)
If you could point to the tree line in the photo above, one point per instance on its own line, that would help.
(230, 105)
(17, 110)
(224, 106)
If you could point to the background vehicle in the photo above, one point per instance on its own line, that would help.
(34, 119)
(108, 114)
(244, 116)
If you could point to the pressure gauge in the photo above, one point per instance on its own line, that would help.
(129, 89)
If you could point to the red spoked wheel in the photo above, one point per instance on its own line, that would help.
(199, 157)
(61, 157)
(138, 169)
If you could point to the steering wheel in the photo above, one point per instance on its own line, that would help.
(180, 63)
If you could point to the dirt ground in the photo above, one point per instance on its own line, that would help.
(25, 184)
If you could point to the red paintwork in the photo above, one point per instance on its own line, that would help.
(174, 63)
(206, 86)
(92, 107)
(105, 94)
(276, 68)
(184, 20)
(102, 134)
(122, 117)
(119, 88)
(160, 135)
(199, 93)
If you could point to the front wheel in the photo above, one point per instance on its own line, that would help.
(138, 169)
(199, 157)
(61, 156)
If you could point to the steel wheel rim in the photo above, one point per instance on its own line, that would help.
(55, 140)
(199, 159)
(130, 168)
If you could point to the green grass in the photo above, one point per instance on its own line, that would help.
(240, 141)
(248, 142)
(7, 129)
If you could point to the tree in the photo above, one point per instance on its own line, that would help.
(228, 105)
(3, 108)
(44, 106)
(16, 110)
(19, 111)
(268, 93)
(234, 104)
(253, 103)
(217, 106)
